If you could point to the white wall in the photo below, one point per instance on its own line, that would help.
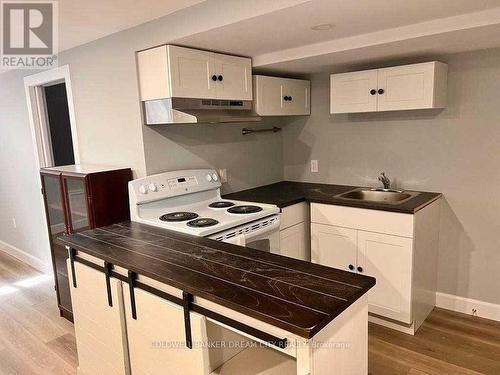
(455, 151)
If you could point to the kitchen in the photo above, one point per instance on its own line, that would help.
(433, 150)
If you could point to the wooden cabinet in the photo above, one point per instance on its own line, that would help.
(399, 250)
(76, 198)
(294, 231)
(99, 328)
(171, 71)
(276, 96)
(416, 86)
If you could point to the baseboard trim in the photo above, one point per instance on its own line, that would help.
(25, 257)
(467, 305)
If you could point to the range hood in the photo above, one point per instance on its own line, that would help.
(192, 111)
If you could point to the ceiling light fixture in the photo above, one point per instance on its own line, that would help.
(322, 27)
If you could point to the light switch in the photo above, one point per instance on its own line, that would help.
(314, 166)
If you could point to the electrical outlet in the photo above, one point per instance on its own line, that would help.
(314, 166)
(223, 175)
(14, 224)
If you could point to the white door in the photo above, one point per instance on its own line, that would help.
(389, 260)
(293, 242)
(353, 92)
(334, 246)
(191, 73)
(406, 87)
(99, 328)
(234, 77)
(157, 337)
(268, 95)
(298, 97)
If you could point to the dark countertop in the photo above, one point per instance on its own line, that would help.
(286, 193)
(298, 296)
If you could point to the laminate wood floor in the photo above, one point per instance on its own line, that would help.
(35, 340)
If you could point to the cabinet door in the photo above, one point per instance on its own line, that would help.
(157, 337)
(268, 95)
(406, 87)
(99, 328)
(352, 92)
(191, 73)
(333, 246)
(298, 91)
(236, 73)
(388, 259)
(75, 191)
(293, 242)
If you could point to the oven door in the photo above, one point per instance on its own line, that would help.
(265, 238)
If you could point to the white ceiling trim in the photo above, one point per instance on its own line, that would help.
(424, 29)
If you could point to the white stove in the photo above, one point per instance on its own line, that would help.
(189, 201)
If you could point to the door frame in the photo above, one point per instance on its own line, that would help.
(38, 120)
(40, 132)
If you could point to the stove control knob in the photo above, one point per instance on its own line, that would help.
(143, 189)
(215, 177)
(152, 187)
(209, 178)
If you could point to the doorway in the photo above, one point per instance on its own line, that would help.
(52, 119)
(59, 126)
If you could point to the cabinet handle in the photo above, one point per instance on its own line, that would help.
(220, 78)
(380, 91)
(290, 98)
(360, 269)
(285, 98)
(373, 92)
(214, 78)
(132, 276)
(107, 275)
(351, 267)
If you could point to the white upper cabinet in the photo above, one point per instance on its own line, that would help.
(276, 96)
(190, 73)
(234, 77)
(353, 92)
(172, 71)
(416, 86)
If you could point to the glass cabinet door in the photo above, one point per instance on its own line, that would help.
(76, 198)
(54, 204)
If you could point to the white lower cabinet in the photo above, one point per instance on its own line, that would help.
(110, 341)
(352, 239)
(293, 241)
(389, 260)
(294, 231)
(99, 328)
(333, 246)
(385, 257)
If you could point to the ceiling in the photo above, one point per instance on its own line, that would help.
(362, 31)
(83, 21)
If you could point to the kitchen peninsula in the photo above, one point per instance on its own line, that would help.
(135, 286)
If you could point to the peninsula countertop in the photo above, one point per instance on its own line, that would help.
(287, 193)
(294, 295)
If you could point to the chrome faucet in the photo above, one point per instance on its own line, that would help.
(385, 180)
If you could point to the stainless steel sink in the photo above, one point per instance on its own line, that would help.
(378, 195)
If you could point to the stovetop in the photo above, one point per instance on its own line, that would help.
(221, 218)
(190, 202)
